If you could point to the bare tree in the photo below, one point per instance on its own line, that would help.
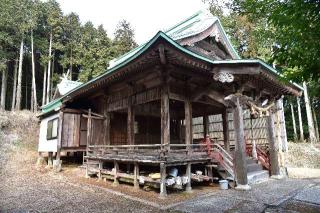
(19, 95)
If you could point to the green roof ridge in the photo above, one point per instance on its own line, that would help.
(182, 22)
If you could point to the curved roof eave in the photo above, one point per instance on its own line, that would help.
(159, 35)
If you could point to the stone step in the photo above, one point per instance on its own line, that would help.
(258, 176)
(251, 160)
(254, 167)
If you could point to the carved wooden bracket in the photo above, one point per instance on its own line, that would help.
(223, 77)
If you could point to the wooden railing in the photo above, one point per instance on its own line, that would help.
(262, 156)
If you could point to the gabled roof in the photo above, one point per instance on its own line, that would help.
(135, 53)
(189, 27)
(67, 85)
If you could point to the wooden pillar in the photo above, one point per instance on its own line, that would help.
(130, 125)
(300, 120)
(57, 164)
(205, 126)
(295, 135)
(136, 175)
(273, 148)
(188, 119)
(240, 152)
(115, 177)
(225, 125)
(188, 174)
(89, 129)
(165, 116)
(106, 124)
(100, 168)
(312, 135)
(50, 154)
(163, 174)
(283, 130)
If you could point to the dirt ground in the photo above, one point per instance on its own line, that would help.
(27, 188)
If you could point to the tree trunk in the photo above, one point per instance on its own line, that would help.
(34, 88)
(44, 86)
(71, 62)
(49, 70)
(19, 95)
(312, 135)
(4, 89)
(13, 102)
(315, 123)
(295, 136)
(52, 71)
(300, 120)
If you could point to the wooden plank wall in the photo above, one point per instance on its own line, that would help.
(259, 133)
(71, 130)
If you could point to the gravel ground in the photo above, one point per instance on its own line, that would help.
(288, 195)
(25, 188)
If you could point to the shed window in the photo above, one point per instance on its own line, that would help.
(52, 129)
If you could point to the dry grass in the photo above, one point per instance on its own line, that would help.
(303, 155)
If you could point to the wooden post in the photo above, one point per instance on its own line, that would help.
(295, 135)
(282, 125)
(312, 135)
(89, 127)
(136, 175)
(130, 124)
(275, 170)
(115, 177)
(205, 126)
(57, 165)
(106, 124)
(188, 119)
(165, 117)
(225, 125)
(188, 174)
(240, 152)
(50, 154)
(163, 174)
(300, 120)
(100, 168)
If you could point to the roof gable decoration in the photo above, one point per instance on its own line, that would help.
(202, 22)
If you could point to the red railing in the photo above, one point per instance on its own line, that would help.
(218, 153)
(262, 156)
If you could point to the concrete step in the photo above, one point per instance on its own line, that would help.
(258, 176)
(251, 160)
(252, 167)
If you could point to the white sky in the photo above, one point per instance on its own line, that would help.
(147, 17)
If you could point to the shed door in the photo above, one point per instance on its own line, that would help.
(71, 130)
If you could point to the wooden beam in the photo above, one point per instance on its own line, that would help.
(217, 97)
(275, 170)
(162, 55)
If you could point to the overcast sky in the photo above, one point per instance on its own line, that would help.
(147, 17)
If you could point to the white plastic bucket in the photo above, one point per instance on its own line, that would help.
(223, 184)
